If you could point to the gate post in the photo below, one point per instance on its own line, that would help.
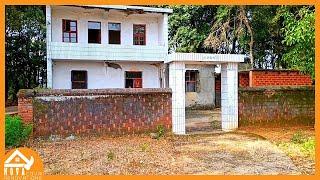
(229, 96)
(177, 84)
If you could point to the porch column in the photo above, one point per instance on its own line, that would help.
(229, 96)
(48, 34)
(177, 84)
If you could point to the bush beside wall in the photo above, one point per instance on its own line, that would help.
(16, 131)
(276, 106)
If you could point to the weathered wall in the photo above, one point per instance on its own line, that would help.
(100, 76)
(109, 111)
(276, 106)
(205, 95)
(244, 80)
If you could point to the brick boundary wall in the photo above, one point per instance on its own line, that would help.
(244, 80)
(108, 111)
(273, 106)
(278, 78)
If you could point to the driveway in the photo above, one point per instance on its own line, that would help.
(203, 121)
(218, 154)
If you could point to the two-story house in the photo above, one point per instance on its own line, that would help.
(106, 46)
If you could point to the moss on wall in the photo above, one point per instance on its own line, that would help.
(278, 106)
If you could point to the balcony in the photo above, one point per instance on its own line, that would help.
(106, 52)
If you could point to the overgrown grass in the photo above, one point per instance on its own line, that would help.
(16, 132)
(110, 156)
(300, 145)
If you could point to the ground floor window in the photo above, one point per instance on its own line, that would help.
(133, 79)
(191, 79)
(79, 79)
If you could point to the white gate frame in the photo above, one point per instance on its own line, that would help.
(229, 87)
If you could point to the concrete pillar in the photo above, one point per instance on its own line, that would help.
(229, 96)
(177, 84)
(48, 34)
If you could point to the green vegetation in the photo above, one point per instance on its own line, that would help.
(16, 132)
(276, 37)
(145, 147)
(110, 156)
(25, 49)
(300, 145)
(160, 131)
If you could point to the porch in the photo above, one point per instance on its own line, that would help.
(178, 63)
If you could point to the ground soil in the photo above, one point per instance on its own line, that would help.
(278, 135)
(219, 154)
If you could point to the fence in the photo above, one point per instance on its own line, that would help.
(281, 106)
(110, 111)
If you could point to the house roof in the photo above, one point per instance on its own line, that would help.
(131, 8)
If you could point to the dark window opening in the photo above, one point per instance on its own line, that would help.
(79, 79)
(191, 78)
(69, 31)
(133, 79)
(139, 34)
(114, 33)
(94, 32)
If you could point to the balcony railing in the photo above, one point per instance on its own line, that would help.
(82, 51)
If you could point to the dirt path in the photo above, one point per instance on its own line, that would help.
(227, 153)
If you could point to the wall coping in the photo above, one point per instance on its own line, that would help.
(272, 70)
(87, 92)
(277, 88)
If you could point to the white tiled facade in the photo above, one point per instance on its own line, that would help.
(229, 88)
(154, 51)
(150, 59)
(229, 96)
(177, 84)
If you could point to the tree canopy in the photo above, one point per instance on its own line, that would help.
(273, 37)
(25, 63)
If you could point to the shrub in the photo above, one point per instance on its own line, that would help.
(16, 132)
(145, 147)
(298, 137)
(160, 131)
(110, 156)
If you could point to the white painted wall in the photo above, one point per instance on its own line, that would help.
(100, 76)
(153, 22)
(205, 95)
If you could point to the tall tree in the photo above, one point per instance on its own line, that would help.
(230, 27)
(299, 37)
(25, 48)
(189, 26)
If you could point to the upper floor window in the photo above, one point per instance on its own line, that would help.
(139, 34)
(192, 79)
(69, 28)
(114, 33)
(94, 32)
(133, 79)
(79, 79)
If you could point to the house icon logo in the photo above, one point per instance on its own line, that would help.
(22, 162)
(17, 162)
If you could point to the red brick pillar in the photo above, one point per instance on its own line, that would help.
(25, 109)
(250, 79)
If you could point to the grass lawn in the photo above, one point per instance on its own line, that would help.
(297, 142)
